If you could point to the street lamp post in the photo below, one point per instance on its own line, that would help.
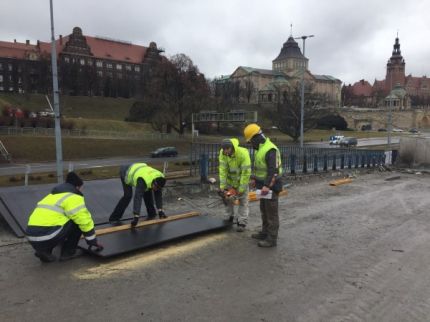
(302, 93)
(58, 146)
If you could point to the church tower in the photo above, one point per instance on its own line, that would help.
(395, 68)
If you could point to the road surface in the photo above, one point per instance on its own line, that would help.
(14, 168)
(356, 252)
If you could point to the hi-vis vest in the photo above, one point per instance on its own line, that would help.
(55, 210)
(142, 170)
(235, 171)
(260, 166)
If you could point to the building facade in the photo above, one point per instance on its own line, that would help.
(408, 90)
(263, 86)
(86, 65)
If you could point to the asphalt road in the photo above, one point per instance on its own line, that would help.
(14, 168)
(361, 142)
(356, 252)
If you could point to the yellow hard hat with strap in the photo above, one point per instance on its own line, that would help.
(251, 130)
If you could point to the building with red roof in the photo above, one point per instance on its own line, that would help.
(416, 89)
(87, 65)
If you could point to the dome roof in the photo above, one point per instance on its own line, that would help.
(290, 50)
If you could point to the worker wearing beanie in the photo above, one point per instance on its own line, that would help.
(234, 173)
(148, 183)
(61, 217)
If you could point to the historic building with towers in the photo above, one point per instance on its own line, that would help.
(398, 89)
(87, 65)
(256, 85)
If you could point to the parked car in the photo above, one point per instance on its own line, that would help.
(415, 131)
(169, 151)
(335, 139)
(347, 142)
(382, 130)
(397, 130)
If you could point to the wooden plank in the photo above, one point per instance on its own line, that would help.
(149, 236)
(108, 230)
(340, 181)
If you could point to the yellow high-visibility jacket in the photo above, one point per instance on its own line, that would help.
(235, 170)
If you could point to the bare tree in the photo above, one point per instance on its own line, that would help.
(288, 110)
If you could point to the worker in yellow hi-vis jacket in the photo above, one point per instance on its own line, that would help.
(234, 174)
(61, 218)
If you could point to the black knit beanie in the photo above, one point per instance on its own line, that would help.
(160, 182)
(74, 179)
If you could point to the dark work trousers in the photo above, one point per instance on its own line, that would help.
(69, 236)
(270, 216)
(126, 198)
(123, 202)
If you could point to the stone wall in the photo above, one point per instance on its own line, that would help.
(377, 118)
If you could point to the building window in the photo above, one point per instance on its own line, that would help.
(137, 68)
(119, 76)
(66, 59)
(19, 80)
(127, 67)
(1, 88)
(10, 89)
(109, 74)
(99, 63)
(10, 78)
(1, 78)
(100, 73)
(109, 65)
(90, 63)
(118, 66)
(82, 61)
(1, 66)
(9, 66)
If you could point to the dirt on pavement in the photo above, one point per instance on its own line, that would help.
(355, 252)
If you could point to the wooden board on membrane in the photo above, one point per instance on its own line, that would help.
(124, 241)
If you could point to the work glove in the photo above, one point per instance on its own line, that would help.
(161, 214)
(94, 243)
(265, 190)
(135, 220)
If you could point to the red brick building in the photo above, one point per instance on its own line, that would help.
(417, 89)
(87, 65)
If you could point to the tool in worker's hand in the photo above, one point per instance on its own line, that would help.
(229, 196)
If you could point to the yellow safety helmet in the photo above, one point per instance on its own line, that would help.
(251, 130)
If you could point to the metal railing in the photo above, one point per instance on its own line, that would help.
(39, 131)
(4, 152)
(294, 158)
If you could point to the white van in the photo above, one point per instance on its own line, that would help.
(335, 139)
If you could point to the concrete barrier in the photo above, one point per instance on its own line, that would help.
(414, 151)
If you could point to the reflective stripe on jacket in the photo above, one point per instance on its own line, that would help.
(55, 210)
(142, 170)
(235, 170)
(130, 176)
(260, 165)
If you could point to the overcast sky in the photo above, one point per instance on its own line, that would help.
(353, 38)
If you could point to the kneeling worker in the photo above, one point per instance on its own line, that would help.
(61, 217)
(234, 173)
(146, 181)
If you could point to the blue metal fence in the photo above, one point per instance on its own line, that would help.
(294, 158)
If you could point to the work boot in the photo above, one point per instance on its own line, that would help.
(45, 257)
(71, 255)
(267, 243)
(240, 228)
(115, 222)
(134, 221)
(260, 235)
(229, 219)
(162, 215)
